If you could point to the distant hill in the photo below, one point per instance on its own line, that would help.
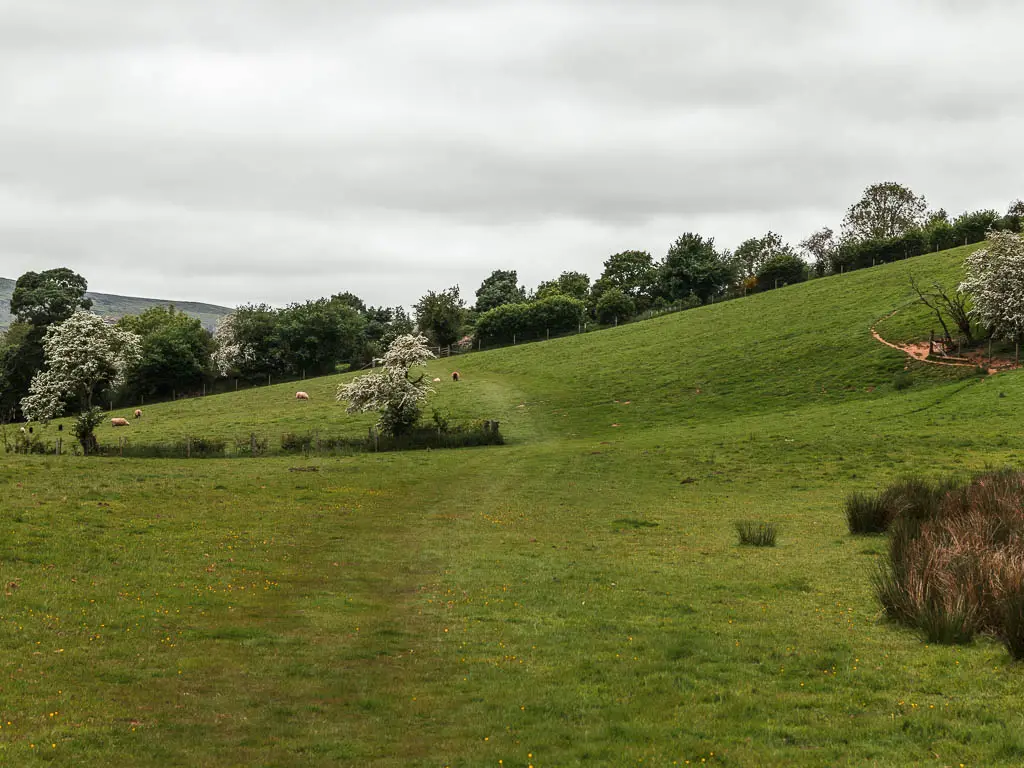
(109, 305)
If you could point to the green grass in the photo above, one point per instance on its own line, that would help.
(573, 597)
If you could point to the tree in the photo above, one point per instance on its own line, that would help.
(442, 314)
(383, 325)
(633, 273)
(1014, 218)
(954, 304)
(576, 285)
(42, 299)
(995, 283)
(229, 354)
(313, 337)
(391, 391)
(692, 265)
(973, 227)
(753, 253)
(174, 354)
(781, 269)
(502, 287)
(83, 354)
(886, 210)
(39, 300)
(614, 305)
(254, 330)
(820, 247)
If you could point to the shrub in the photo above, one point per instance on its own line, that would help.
(902, 380)
(865, 513)
(1011, 607)
(615, 305)
(955, 566)
(84, 428)
(756, 534)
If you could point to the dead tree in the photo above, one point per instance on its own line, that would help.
(942, 303)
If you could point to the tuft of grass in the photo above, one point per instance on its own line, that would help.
(866, 513)
(956, 558)
(756, 534)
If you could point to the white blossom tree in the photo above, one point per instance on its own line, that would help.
(995, 283)
(229, 352)
(81, 354)
(391, 391)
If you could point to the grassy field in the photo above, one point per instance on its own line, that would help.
(575, 597)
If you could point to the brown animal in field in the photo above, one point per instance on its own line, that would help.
(301, 396)
(455, 375)
(119, 422)
(138, 413)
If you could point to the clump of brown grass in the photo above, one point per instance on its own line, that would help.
(955, 566)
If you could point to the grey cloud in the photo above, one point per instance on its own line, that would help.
(215, 146)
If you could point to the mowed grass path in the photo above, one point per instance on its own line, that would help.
(575, 597)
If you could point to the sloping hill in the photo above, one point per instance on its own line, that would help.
(576, 597)
(771, 352)
(111, 305)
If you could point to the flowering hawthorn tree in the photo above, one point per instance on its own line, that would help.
(81, 354)
(391, 390)
(229, 352)
(995, 283)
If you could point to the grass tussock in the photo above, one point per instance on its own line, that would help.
(756, 534)
(908, 497)
(955, 566)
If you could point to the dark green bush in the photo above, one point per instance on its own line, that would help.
(866, 513)
(756, 534)
(902, 380)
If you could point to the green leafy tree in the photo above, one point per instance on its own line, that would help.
(501, 287)
(441, 314)
(885, 211)
(615, 305)
(1015, 216)
(693, 266)
(42, 299)
(313, 337)
(820, 248)
(254, 336)
(392, 391)
(781, 269)
(754, 252)
(573, 284)
(973, 226)
(175, 351)
(633, 273)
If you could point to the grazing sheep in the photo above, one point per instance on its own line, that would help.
(138, 412)
(455, 375)
(301, 396)
(436, 379)
(119, 422)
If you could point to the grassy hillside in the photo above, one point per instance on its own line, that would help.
(109, 305)
(575, 597)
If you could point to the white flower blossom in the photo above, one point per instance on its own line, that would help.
(81, 353)
(229, 352)
(390, 390)
(995, 283)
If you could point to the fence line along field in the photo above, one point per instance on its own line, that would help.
(575, 596)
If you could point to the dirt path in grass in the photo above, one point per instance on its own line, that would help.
(920, 351)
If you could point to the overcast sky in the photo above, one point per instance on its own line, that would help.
(279, 150)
